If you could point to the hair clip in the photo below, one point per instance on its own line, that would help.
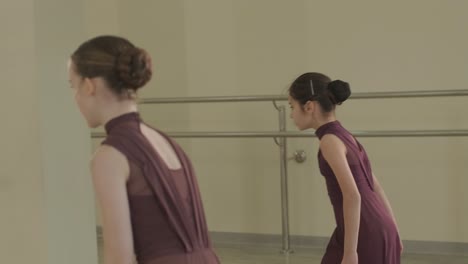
(312, 87)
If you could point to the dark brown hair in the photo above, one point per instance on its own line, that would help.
(314, 86)
(121, 64)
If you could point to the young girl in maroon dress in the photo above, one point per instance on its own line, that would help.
(145, 184)
(366, 231)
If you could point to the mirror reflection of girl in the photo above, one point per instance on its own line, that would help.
(144, 182)
(366, 231)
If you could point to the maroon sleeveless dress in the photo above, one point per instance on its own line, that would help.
(378, 242)
(167, 215)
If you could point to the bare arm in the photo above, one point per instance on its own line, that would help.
(110, 171)
(334, 152)
(383, 197)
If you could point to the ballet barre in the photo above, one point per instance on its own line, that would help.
(282, 134)
(273, 98)
(291, 134)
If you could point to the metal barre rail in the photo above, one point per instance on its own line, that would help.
(282, 134)
(260, 98)
(291, 134)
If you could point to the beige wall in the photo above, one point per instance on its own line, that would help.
(208, 47)
(45, 191)
(21, 202)
(259, 47)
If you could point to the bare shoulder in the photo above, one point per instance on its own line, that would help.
(331, 144)
(107, 161)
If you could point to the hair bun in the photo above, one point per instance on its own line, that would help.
(134, 68)
(339, 90)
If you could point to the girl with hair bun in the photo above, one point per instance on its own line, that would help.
(144, 182)
(366, 231)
